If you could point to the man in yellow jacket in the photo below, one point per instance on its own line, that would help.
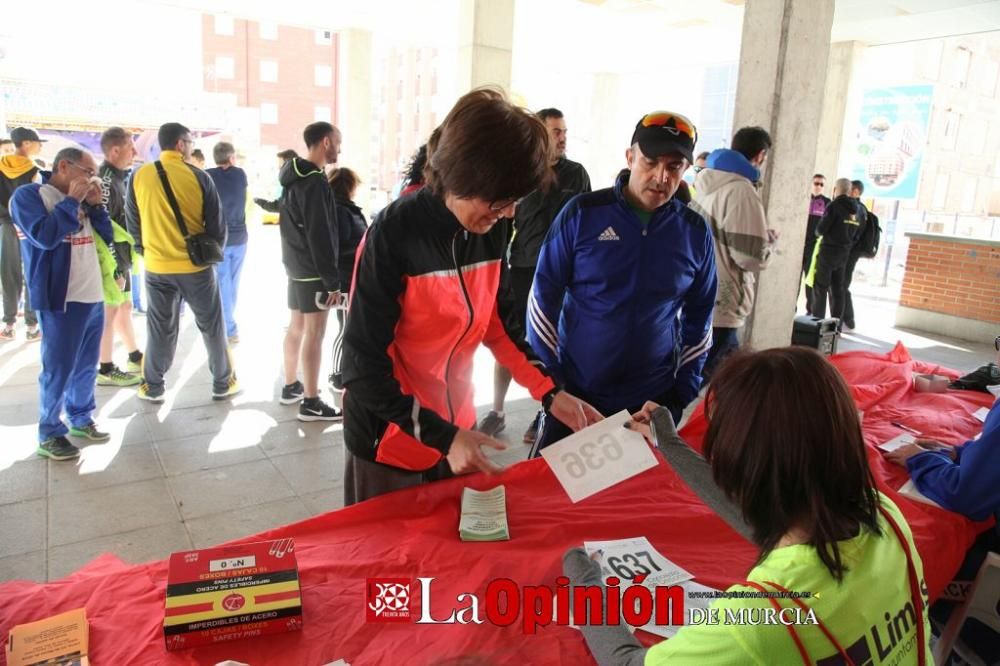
(170, 274)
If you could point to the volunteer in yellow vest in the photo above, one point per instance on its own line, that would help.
(170, 274)
(797, 483)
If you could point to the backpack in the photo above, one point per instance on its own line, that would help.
(867, 243)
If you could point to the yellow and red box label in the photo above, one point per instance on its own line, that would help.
(230, 593)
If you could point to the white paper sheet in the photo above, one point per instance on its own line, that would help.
(598, 457)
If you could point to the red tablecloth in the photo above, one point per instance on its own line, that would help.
(415, 533)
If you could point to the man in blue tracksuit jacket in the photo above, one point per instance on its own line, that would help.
(58, 220)
(621, 306)
(964, 479)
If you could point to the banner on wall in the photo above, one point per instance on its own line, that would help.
(890, 140)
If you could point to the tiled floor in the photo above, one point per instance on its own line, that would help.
(193, 472)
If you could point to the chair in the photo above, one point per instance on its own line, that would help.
(981, 604)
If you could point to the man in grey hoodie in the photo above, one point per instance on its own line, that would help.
(727, 197)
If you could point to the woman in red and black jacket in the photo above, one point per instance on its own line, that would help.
(430, 286)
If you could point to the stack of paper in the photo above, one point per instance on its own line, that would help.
(897, 442)
(60, 639)
(628, 558)
(484, 515)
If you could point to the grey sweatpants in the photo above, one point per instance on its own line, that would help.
(163, 315)
(12, 277)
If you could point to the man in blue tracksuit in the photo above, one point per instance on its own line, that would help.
(58, 220)
(964, 479)
(621, 306)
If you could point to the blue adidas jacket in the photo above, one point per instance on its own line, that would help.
(45, 250)
(971, 484)
(621, 312)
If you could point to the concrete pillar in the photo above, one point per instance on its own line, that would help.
(485, 44)
(836, 105)
(354, 106)
(782, 57)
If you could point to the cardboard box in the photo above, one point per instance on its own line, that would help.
(231, 593)
(60, 640)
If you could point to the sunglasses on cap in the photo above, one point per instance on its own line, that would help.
(670, 120)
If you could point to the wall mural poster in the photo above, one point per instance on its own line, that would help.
(890, 140)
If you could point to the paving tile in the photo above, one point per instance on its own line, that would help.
(103, 465)
(90, 514)
(295, 436)
(205, 451)
(324, 501)
(26, 566)
(23, 527)
(220, 527)
(226, 488)
(312, 470)
(24, 480)
(135, 547)
(179, 423)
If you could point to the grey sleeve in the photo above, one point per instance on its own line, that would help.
(694, 470)
(610, 645)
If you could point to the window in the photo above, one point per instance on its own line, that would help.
(323, 76)
(969, 195)
(952, 120)
(268, 113)
(268, 30)
(224, 67)
(321, 113)
(269, 71)
(940, 192)
(224, 24)
(960, 73)
(324, 37)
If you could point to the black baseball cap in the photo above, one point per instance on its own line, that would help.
(21, 134)
(663, 132)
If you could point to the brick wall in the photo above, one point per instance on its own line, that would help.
(295, 93)
(953, 277)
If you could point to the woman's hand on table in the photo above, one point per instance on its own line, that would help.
(574, 413)
(466, 454)
(904, 453)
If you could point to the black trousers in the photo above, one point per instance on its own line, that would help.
(852, 261)
(807, 257)
(829, 282)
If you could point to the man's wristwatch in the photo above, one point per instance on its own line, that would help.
(549, 397)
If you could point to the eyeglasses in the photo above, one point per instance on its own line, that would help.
(671, 121)
(815, 184)
(497, 206)
(90, 172)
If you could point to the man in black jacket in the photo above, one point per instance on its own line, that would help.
(817, 206)
(837, 232)
(16, 169)
(309, 252)
(532, 219)
(857, 189)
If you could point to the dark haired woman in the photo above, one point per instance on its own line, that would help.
(351, 227)
(796, 482)
(431, 286)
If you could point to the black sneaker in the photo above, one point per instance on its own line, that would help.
(292, 393)
(315, 409)
(531, 434)
(58, 448)
(492, 424)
